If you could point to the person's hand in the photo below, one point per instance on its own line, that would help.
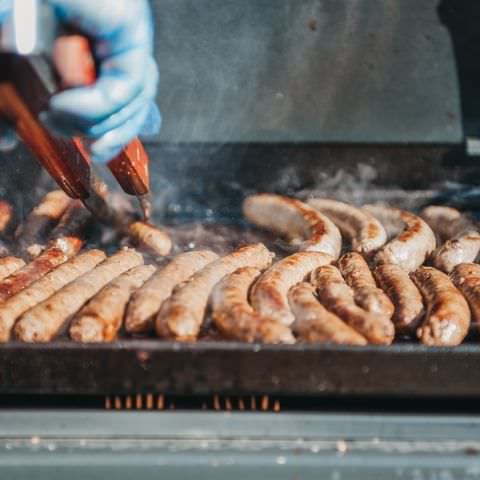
(119, 106)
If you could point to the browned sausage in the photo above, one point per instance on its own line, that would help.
(39, 291)
(448, 316)
(406, 298)
(33, 232)
(308, 229)
(101, 318)
(146, 302)
(466, 277)
(314, 323)
(447, 222)
(9, 265)
(149, 237)
(43, 322)
(364, 231)
(464, 249)
(234, 316)
(359, 278)
(181, 316)
(269, 294)
(338, 297)
(412, 246)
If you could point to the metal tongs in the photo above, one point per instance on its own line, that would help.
(30, 47)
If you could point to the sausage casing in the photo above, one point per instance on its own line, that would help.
(466, 277)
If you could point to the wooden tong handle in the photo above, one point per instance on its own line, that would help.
(76, 67)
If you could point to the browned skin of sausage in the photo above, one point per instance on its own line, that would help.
(338, 297)
(309, 230)
(101, 319)
(6, 213)
(412, 246)
(314, 323)
(464, 249)
(181, 316)
(146, 302)
(43, 322)
(149, 237)
(49, 259)
(447, 222)
(364, 231)
(39, 291)
(9, 265)
(270, 294)
(466, 277)
(448, 315)
(396, 283)
(359, 278)
(32, 233)
(234, 316)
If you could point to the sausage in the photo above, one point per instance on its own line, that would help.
(310, 230)
(412, 246)
(269, 294)
(149, 237)
(364, 231)
(6, 214)
(396, 283)
(181, 316)
(234, 316)
(464, 249)
(39, 291)
(146, 302)
(101, 319)
(447, 222)
(50, 258)
(31, 234)
(359, 278)
(43, 322)
(314, 323)
(338, 297)
(448, 316)
(9, 265)
(466, 277)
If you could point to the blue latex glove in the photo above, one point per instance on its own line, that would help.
(119, 106)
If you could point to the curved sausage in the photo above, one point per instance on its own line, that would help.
(310, 230)
(181, 316)
(146, 302)
(9, 265)
(464, 249)
(448, 315)
(412, 246)
(338, 297)
(269, 295)
(359, 278)
(149, 237)
(406, 298)
(466, 277)
(101, 318)
(364, 231)
(234, 316)
(314, 323)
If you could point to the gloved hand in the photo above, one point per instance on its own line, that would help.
(119, 106)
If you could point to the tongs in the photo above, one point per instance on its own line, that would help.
(24, 93)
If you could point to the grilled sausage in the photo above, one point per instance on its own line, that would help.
(294, 220)
(146, 302)
(412, 246)
(364, 231)
(448, 315)
(9, 265)
(338, 297)
(466, 277)
(149, 237)
(447, 222)
(43, 322)
(49, 259)
(396, 283)
(101, 319)
(181, 316)
(269, 294)
(314, 323)
(234, 316)
(6, 214)
(32, 233)
(464, 249)
(359, 278)
(39, 291)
